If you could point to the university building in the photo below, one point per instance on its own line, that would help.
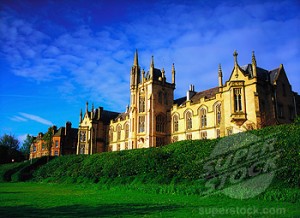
(251, 98)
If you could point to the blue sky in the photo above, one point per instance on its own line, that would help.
(56, 55)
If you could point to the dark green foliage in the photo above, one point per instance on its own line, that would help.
(25, 149)
(9, 152)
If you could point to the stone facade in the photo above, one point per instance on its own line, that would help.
(251, 98)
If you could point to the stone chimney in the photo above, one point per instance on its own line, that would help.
(68, 128)
(190, 93)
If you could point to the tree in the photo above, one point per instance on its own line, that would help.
(25, 149)
(9, 146)
(48, 140)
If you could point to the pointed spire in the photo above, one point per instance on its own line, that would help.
(235, 54)
(136, 61)
(80, 116)
(151, 71)
(152, 62)
(86, 107)
(254, 65)
(220, 75)
(93, 107)
(173, 73)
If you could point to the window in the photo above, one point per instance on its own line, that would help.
(141, 123)
(126, 145)
(81, 149)
(118, 132)
(175, 139)
(203, 135)
(229, 131)
(56, 143)
(55, 153)
(111, 134)
(34, 148)
(203, 117)
(175, 123)
(160, 123)
(142, 104)
(126, 131)
(160, 141)
(189, 123)
(218, 133)
(237, 99)
(189, 136)
(82, 136)
(218, 114)
(118, 147)
(160, 97)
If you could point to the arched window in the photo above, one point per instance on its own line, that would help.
(188, 117)
(218, 114)
(203, 117)
(160, 123)
(175, 123)
(142, 104)
(126, 131)
(141, 123)
(118, 132)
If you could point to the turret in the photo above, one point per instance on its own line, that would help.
(135, 72)
(254, 65)
(80, 116)
(173, 74)
(220, 76)
(152, 67)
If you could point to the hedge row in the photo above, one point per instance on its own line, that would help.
(180, 162)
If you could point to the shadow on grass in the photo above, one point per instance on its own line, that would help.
(103, 210)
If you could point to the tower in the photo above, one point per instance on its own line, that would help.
(151, 98)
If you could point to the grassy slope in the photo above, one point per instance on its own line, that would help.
(57, 200)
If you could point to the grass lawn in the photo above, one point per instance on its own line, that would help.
(67, 200)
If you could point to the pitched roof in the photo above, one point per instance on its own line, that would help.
(209, 93)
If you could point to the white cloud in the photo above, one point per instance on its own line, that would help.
(96, 63)
(18, 119)
(37, 119)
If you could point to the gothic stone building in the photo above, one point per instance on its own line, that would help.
(252, 98)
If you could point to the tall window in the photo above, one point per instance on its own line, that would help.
(218, 114)
(56, 143)
(218, 133)
(111, 134)
(189, 123)
(160, 123)
(126, 131)
(141, 123)
(142, 104)
(160, 141)
(203, 118)
(204, 135)
(175, 123)
(82, 136)
(118, 132)
(237, 99)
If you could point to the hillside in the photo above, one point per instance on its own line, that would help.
(189, 167)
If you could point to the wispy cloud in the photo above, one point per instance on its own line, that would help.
(95, 63)
(18, 119)
(36, 118)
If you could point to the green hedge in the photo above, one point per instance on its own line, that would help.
(180, 162)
